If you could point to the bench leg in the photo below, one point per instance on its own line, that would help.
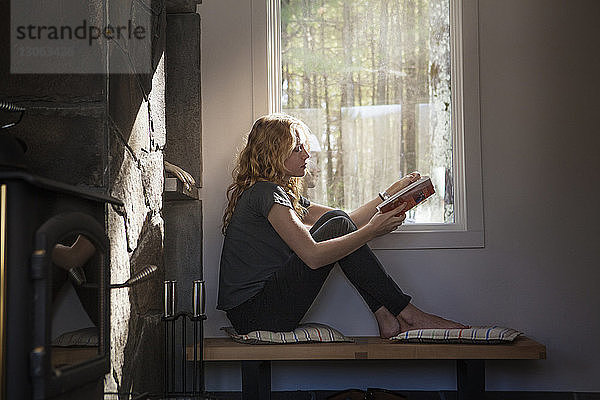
(470, 379)
(256, 380)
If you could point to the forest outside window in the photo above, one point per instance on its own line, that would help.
(379, 82)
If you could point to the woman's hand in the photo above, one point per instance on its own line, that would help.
(362, 215)
(403, 182)
(382, 224)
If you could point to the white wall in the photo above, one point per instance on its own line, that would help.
(538, 272)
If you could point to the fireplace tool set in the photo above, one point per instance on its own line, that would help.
(196, 318)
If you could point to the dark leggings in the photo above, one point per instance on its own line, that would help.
(289, 292)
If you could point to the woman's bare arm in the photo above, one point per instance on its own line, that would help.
(364, 213)
(317, 254)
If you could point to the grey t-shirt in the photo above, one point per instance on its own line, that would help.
(252, 249)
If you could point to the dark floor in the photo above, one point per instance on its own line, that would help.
(418, 395)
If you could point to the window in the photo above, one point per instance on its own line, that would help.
(372, 80)
(381, 85)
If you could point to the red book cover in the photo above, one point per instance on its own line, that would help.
(413, 194)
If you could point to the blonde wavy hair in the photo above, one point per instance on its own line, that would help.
(270, 142)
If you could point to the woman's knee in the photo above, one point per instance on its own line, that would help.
(336, 213)
(338, 224)
(329, 215)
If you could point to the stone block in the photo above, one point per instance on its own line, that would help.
(126, 104)
(143, 51)
(52, 89)
(134, 52)
(143, 355)
(137, 105)
(182, 6)
(147, 296)
(135, 126)
(128, 187)
(66, 144)
(183, 247)
(183, 112)
(158, 107)
(137, 96)
(151, 165)
(140, 126)
(159, 31)
(120, 307)
(116, 155)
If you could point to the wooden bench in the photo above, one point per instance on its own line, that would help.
(470, 358)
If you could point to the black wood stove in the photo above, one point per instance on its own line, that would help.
(42, 224)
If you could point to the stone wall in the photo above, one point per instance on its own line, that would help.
(137, 136)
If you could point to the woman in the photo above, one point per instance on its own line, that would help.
(279, 247)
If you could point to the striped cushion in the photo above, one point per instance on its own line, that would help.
(476, 334)
(310, 332)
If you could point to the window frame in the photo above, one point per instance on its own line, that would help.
(468, 229)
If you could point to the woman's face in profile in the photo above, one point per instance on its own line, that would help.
(296, 163)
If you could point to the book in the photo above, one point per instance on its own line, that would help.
(413, 194)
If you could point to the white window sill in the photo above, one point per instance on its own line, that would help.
(428, 237)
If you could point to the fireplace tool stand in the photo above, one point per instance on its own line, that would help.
(171, 318)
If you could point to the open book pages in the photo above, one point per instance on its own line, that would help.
(413, 194)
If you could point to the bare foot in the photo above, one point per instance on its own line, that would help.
(412, 318)
(389, 326)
